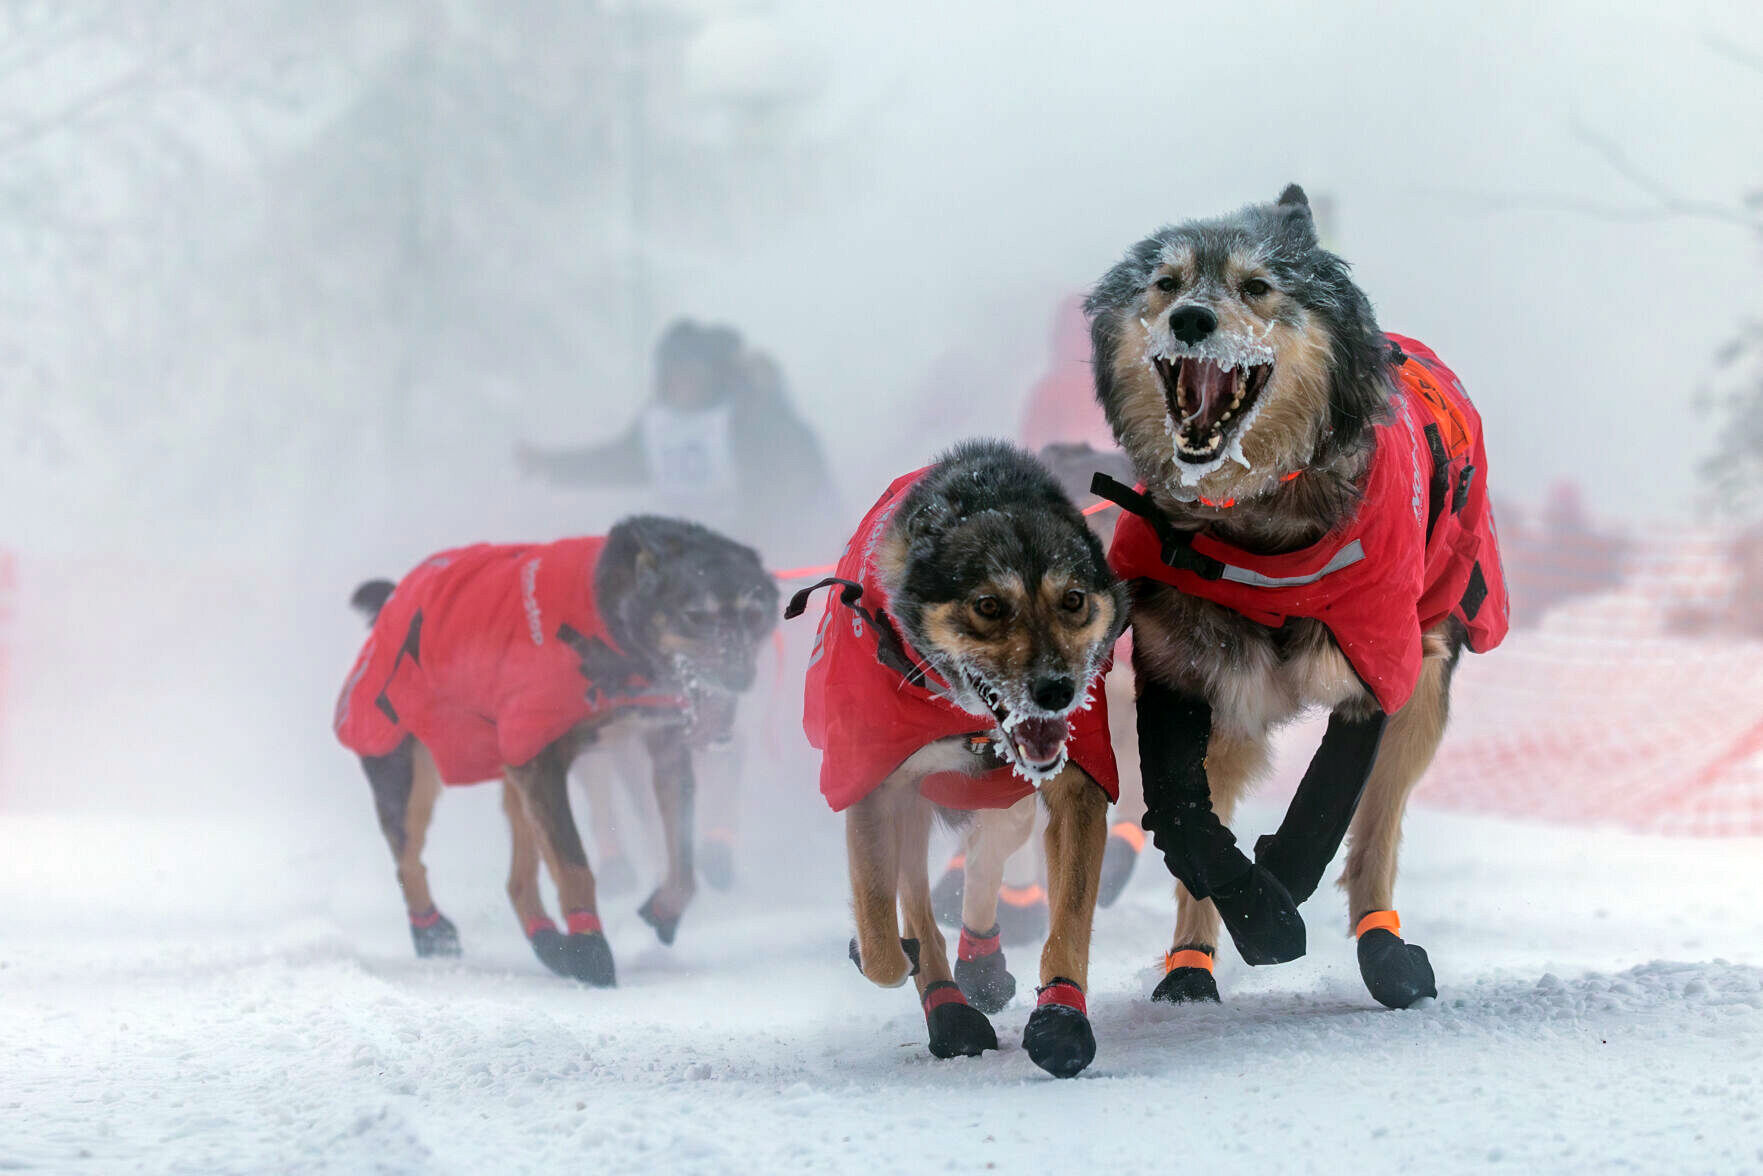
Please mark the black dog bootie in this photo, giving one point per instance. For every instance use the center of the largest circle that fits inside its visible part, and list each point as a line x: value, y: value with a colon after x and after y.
x: 1058, y: 1037
x: 434, y: 934
x: 1398, y: 974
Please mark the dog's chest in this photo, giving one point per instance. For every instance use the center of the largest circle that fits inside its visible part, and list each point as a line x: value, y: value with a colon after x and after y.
x: 1255, y: 677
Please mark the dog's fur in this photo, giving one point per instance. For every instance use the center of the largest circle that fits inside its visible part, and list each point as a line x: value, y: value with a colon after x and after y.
x: 1278, y: 298
x: 987, y: 522
x: 691, y: 608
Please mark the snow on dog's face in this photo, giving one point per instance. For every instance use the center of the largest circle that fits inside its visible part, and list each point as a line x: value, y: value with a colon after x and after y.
x: 1000, y: 586
x: 1231, y: 352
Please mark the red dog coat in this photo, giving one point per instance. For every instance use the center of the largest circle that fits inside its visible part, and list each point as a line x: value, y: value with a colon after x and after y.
x: 488, y: 654
x: 871, y: 702
x: 1421, y: 547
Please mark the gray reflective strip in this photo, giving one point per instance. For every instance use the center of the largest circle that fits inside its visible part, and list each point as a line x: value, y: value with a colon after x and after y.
x: 1346, y: 557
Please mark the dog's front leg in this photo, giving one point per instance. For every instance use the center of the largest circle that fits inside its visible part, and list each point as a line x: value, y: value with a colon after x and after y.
x: 1316, y: 821
x: 872, y: 847
x: 957, y: 1029
x: 543, y: 787
x: 1175, y: 731
x: 1058, y: 1036
x: 675, y: 793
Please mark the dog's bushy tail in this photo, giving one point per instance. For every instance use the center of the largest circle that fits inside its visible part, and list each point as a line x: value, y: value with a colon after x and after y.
x: 370, y: 597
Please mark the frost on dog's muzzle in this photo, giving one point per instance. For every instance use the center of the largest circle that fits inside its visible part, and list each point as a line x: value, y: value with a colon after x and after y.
x: 1034, y: 744
x: 1212, y: 395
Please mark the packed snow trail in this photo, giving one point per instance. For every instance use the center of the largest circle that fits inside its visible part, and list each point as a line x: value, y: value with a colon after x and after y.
x: 239, y: 994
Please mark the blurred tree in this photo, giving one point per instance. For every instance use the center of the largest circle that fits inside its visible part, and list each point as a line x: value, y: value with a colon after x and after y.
x: 254, y: 257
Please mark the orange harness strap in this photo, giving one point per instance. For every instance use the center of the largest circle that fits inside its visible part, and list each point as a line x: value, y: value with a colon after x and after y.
x: 1189, y: 957
x: 1376, y: 920
x: 1230, y: 502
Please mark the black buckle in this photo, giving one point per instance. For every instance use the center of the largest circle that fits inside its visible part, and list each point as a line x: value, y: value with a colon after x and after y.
x: 1178, y: 550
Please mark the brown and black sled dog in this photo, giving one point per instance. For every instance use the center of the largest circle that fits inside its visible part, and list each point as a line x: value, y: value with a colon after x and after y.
x: 957, y: 673
x: 509, y: 660
x: 1313, y: 531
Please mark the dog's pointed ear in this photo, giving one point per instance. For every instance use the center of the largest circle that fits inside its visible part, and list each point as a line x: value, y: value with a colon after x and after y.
x: 655, y: 543
x: 1294, y: 211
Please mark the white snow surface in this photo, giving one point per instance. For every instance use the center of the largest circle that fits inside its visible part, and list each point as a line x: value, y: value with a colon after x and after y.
x: 238, y: 994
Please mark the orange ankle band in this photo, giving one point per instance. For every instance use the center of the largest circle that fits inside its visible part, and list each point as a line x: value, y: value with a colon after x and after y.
x: 1129, y: 833
x: 1187, y: 957
x: 1385, y: 920
x: 1019, y: 896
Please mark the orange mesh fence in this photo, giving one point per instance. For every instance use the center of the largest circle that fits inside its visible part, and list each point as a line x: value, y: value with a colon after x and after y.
x: 1629, y: 692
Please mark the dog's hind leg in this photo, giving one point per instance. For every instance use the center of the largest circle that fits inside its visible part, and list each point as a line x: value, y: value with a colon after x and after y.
x: 957, y: 1029
x: 979, y: 960
x: 1397, y: 973
x: 675, y: 794
x: 1058, y: 1036
x: 1233, y: 762
x: 405, y: 786
x: 543, y: 787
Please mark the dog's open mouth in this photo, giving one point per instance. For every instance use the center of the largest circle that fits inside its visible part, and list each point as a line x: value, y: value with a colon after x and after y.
x: 1206, y: 400
x: 1035, y: 744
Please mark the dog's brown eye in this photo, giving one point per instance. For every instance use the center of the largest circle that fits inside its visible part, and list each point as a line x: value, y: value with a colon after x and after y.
x: 989, y: 607
x: 1168, y: 284
x: 1256, y: 288
x: 1074, y: 600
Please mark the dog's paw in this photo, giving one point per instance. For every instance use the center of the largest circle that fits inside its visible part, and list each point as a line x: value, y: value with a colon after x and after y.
x: 1187, y: 986
x: 434, y: 935
x: 909, y: 946
x: 957, y: 1029
x: 1058, y: 1037
x: 1398, y: 974
x: 716, y: 864
x: 588, y: 958
x: 665, y: 922
x: 1261, y: 917
x: 984, y: 980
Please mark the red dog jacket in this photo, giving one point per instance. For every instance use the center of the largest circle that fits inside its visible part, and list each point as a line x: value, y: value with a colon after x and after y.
x: 488, y: 654
x: 871, y: 702
x: 1421, y: 547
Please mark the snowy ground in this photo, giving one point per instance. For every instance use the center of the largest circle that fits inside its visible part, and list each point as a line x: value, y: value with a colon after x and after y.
x: 238, y: 994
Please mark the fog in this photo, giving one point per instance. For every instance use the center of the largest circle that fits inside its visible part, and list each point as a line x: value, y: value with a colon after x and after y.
x: 294, y: 293
x: 283, y: 290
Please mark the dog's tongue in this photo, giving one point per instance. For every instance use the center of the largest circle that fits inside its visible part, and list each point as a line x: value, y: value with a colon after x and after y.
x: 1040, y: 740
x: 1206, y: 391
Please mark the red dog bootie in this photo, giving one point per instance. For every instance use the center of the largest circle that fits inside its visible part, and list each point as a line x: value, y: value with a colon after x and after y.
x: 1187, y: 977
x: 434, y: 934
x: 980, y: 970
x: 1058, y: 1037
x: 957, y: 1029
x: 1397, y: 974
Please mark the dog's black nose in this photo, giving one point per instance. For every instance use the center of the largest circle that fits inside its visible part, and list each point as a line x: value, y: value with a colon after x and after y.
x: 1054, y: 694
x: 1190, y: 324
